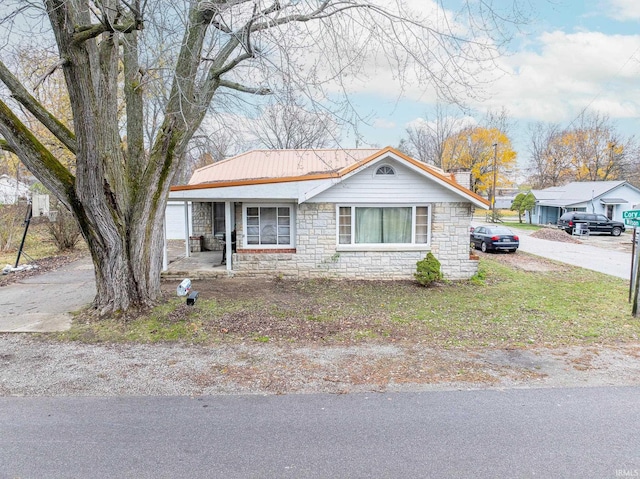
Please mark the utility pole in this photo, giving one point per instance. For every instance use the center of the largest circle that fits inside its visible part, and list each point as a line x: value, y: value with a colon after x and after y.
x: 494, y: 217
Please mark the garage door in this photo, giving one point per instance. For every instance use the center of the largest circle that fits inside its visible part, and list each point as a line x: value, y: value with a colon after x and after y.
x: 174, y: 216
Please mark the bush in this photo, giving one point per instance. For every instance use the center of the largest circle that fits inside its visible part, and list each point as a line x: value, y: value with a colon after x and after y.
x: 428, y: 270
x: 63, y: 230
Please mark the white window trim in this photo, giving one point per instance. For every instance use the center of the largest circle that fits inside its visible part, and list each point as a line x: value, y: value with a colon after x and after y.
x: 413, y: 246
x: 292, y: 226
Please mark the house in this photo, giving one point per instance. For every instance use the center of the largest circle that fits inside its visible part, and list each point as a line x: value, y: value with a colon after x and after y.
x: 505, y: 197
x: 609, y: 198
x: 11, y: 190
x: 341, y: 213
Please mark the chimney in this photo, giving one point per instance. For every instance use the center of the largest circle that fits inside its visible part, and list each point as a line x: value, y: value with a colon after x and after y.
x: 462, y: 176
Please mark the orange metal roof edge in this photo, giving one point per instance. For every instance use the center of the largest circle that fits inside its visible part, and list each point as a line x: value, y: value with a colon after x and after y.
x: 341, y: 173
x: 449, y: 181
x: 255, y: 181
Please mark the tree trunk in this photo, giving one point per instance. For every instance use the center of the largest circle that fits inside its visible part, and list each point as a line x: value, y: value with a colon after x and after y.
x: 127, y: 267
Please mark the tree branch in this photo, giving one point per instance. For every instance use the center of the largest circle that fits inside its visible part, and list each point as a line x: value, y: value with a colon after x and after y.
x: 5, y: 146
x: 91, y: 31
x: 36, y: 157
x: 231, y: 65
x: 50, y: 71
x: 20, y: 93
x: 244, y: 89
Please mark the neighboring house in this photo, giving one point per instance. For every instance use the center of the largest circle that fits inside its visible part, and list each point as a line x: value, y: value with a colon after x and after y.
x: 358, y: 213
x: 11, y: 190
x: 505, y: 197
x: 609, y: 198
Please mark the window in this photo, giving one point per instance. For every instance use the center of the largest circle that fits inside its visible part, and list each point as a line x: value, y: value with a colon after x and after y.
x: 268, y: 226
x: 369, y: 225
x: 385, y: 170
x: 218, y: 218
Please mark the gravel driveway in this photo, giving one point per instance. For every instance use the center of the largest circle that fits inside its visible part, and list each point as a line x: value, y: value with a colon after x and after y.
x: 34, y: 367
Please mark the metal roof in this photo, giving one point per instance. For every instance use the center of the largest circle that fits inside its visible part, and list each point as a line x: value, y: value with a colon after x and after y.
x: 280, y: 167
x: 574, y: 193
x: 257, y: 164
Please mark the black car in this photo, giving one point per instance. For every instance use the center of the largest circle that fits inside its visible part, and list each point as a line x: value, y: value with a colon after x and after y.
x: 595, y: 223
x: 494, y: 238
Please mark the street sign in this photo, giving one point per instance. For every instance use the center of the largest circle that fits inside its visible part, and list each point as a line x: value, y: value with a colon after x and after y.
x: 632, y: 222
x: 631, y: 214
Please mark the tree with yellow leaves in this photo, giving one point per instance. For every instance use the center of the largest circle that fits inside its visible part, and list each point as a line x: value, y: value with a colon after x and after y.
x: 486, y: 152
x: 591, y: 150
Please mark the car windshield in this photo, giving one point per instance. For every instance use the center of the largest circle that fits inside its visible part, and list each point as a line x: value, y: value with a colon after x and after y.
x: 500, y: 231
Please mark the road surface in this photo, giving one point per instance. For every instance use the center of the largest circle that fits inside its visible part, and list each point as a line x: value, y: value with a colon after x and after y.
x: 543, y: 433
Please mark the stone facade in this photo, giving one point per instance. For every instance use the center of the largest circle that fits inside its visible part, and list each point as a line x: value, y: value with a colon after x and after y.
x: 316, y: 254
x: 202, y: 224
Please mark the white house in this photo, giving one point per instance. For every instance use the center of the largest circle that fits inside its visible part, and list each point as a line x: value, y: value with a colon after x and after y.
x: 11, y: 190
x: 358, y: 213
x: 609, y: 198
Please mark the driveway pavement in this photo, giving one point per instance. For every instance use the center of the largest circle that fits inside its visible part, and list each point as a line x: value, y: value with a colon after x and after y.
x: 43, y: 303
x: 608, y: 261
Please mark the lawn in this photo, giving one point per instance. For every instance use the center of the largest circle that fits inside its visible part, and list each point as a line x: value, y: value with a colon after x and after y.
x: 503, y: 306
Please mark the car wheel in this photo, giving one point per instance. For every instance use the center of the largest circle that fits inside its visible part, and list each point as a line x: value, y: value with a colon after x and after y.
x: 483, y: 247
x: 616, y: 231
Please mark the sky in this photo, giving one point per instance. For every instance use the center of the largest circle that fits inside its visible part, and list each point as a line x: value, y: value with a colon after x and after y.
x: 571, y: 55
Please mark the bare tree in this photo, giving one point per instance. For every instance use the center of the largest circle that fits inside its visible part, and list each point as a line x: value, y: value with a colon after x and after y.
x: 589, y: 150
x: 599, y: 152
x: 118, y: 190
x: 550, y: 160
x: 289, y: 125
x: 426, y: 139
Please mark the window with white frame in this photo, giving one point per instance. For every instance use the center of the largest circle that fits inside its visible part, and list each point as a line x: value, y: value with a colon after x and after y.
x: 371, y: 225
x: 268, y: 226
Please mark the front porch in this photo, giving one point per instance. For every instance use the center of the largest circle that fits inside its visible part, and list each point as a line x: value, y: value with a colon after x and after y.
x: 198, y: 265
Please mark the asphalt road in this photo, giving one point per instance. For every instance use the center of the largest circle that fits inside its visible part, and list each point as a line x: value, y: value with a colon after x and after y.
x: 546, y: 433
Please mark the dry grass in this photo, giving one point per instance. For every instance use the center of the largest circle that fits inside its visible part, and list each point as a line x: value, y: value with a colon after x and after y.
x: 506, y: 306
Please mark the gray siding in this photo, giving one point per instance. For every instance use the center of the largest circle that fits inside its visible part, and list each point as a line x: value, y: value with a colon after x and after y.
x: 405, y: 186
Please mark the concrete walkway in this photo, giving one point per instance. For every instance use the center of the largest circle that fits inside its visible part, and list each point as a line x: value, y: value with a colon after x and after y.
x: 43, y: 303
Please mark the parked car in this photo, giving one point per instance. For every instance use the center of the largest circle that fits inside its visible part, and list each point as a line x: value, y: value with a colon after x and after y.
x: 494, y: 238
x: 595, y: 223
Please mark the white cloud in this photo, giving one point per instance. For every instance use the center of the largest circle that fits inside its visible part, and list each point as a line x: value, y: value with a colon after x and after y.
x: 569, y: 73
x: 623, y: 10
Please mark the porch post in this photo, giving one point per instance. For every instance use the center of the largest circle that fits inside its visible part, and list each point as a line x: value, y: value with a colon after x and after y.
x: 186, y: 229
x: 227, y: 232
